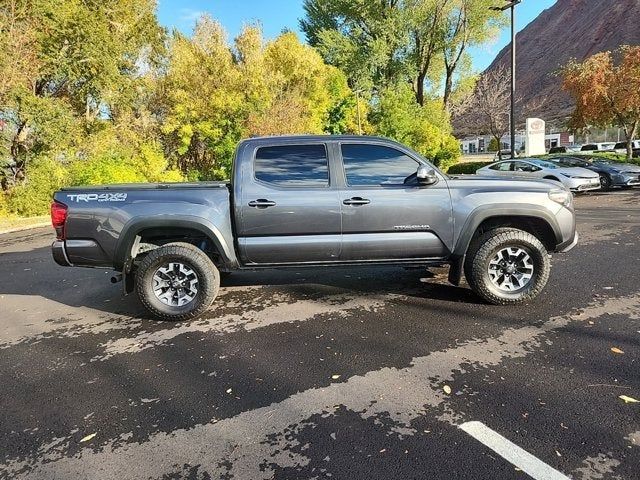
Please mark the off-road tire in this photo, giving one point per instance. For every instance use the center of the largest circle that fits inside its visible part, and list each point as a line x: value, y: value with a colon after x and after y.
x: 185, y: 253
x: 483, y: 249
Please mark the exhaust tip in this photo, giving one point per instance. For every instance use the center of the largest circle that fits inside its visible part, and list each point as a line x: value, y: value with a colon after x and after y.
x: 116, y: 278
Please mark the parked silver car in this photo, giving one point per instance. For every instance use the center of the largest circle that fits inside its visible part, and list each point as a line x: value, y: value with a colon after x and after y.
x: 575, y: 179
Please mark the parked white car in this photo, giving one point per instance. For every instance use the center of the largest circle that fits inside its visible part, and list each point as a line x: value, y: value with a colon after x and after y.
x: 621, y: 147
x: 576, y: 179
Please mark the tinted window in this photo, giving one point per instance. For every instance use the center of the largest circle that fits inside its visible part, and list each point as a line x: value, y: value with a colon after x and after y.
x: 376, y: 165
x: 587, y: 148
x: 543, y: 164
x: 525, y: 167
x: 571, y: 162
x: 502, y: 167
x: 293, y: 165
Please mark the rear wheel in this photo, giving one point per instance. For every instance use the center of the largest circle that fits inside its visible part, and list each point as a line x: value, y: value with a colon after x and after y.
x: 177, y: 282
x: 507, y: 266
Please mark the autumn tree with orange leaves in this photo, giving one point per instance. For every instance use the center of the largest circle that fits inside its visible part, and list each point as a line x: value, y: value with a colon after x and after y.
x: 606, y: 89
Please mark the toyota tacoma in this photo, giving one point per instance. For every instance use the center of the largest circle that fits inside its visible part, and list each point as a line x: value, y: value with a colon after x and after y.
x: 315, y: 201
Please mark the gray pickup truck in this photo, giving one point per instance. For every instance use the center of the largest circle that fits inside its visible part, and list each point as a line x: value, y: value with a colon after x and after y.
x: 315, y: 201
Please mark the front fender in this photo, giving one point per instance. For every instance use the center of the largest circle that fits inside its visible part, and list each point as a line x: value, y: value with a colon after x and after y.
x: 486, y: 212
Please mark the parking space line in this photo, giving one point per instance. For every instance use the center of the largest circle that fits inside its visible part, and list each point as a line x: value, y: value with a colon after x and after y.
x: 512, y: 453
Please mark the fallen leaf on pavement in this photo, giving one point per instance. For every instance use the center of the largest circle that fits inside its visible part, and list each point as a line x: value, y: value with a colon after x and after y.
x: 88, y: 437
x: 447, y: 389
x: 628, y: 399
x: 616, y: 350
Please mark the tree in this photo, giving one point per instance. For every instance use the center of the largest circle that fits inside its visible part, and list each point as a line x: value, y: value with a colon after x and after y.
x: 396, y: 115
x: 468, y: 23
x: 219, y: 92
x: 65, y: 64
x: 607, y: 91
x: 488, y: 108
x: 381, y: 44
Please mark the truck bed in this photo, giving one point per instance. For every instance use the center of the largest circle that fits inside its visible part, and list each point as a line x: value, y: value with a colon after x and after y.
x: 147, y: 186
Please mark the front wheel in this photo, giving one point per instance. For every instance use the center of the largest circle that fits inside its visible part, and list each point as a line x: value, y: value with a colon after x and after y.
x: 507, y: 266
x: 177, y: 281
x: 605, y: 182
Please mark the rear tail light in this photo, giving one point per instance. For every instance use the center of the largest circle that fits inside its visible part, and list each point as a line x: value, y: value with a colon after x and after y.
x: 58, y: 218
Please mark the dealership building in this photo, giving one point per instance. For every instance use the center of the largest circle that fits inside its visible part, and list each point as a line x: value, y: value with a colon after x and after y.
x: 480, y: 144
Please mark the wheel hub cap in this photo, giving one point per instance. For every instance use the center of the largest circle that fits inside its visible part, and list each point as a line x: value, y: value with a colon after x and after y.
x: 511, y: 269
x: 175, y: 284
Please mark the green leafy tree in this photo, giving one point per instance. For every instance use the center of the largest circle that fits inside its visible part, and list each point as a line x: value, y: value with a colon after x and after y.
x: 67, y: 61
x: 219, y: 92
x: 381, y: 44
x: 398, y: 116
x: 203, y: 101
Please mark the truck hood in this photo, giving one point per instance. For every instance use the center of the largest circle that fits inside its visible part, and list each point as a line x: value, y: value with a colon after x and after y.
x: 504, y: 184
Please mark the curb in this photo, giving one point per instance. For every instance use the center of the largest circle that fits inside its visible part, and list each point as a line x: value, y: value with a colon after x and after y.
x: 24, y: 227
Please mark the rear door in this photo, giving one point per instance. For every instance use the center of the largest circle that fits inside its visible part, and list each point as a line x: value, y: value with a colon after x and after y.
x: 288, y: 209
x: 384, y: 218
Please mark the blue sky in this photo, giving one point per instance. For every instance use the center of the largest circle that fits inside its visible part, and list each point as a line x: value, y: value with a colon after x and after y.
x: 276, y: 15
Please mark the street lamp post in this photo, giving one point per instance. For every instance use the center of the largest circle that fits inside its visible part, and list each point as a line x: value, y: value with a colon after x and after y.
x: 512, y: 5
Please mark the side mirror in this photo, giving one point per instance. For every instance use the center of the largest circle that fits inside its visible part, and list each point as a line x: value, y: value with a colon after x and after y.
x: 426, y: 175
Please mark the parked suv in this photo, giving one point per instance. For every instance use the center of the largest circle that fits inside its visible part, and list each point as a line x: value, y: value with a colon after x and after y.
x: 564, y: 149
x: 315, y: 201
x: 621, y: 147
x: 598, y: 147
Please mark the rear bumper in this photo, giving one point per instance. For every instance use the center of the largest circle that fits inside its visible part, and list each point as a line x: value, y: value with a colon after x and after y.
x: 59, y: 254
x: 79, y: 253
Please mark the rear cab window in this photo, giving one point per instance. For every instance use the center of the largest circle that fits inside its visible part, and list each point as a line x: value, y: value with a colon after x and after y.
x: 292, y: 165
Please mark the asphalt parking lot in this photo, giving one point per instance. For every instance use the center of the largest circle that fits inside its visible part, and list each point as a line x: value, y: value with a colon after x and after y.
x: 376, y: 373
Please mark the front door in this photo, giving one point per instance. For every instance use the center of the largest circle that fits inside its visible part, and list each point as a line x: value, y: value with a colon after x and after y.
x: 289, y: 210
x: 386, y: 214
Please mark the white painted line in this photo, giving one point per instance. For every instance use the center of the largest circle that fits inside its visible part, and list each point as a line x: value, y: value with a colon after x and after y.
x: 512, y: 453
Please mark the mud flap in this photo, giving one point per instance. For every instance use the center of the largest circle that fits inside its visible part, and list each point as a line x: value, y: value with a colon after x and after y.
x: 455, y: 271
x: 128, y: 283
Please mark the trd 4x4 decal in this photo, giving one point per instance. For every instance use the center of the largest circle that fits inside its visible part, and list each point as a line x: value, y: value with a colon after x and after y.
x: 97, y: 197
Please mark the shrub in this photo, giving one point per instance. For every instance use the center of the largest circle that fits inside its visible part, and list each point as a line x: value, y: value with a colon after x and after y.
x: 426, y: 128
x: 108, y: 168
x: 467, y: 168
x: 33, y: 197
x: 152, y: 165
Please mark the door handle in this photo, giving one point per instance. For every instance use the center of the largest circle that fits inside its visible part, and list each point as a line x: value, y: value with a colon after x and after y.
x: 356, y: 201
x: 262, y: 203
